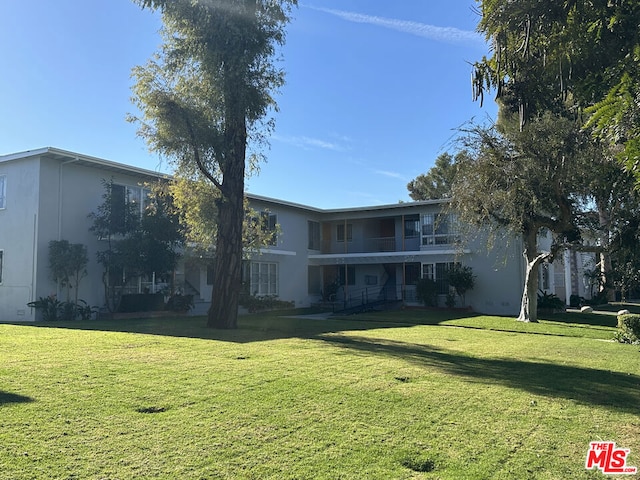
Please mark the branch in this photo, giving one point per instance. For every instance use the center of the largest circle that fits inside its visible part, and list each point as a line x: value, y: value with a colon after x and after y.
x: 559, y: 247
x: 196, y: 156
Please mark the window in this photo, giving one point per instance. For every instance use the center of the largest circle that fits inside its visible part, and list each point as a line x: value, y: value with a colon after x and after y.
x: 428, y: 271
x: 439, y: 272
x: 314, y: 235
x: 412, y: 226
x: 344, y: 231
x: 3, y: 192
x: 126, y: 202
x: 269, y: 226
x: 138, y: 198
x: 264, y: 278
x: 438, y: 229
x: 1, y: 260
x: 349, y: 272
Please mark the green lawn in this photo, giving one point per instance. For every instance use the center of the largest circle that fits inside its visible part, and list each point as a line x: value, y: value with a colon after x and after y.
x: 410, y: 394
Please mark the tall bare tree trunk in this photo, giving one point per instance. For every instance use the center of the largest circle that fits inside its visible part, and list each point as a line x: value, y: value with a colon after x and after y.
x: 529, y: 304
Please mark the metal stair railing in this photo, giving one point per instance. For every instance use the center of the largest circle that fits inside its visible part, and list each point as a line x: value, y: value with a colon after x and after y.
x: 364, y: 299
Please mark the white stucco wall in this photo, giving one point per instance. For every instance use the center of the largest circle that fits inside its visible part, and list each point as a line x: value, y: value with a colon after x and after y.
x: 500, y: 277
x: 290, y: 252
x: 18, y: 229
x: 49, y: 198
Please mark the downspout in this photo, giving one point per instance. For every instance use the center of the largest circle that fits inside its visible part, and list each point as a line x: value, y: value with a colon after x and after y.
x: 34, y: 267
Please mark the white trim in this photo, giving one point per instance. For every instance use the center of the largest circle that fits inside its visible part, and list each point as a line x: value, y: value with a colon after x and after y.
x: 66, y: 156
x: 277, y: 252
x: 254, y: 286
x: 407, y: 255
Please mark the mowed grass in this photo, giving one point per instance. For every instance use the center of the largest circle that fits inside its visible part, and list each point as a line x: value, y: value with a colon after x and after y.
x: 393, y: 395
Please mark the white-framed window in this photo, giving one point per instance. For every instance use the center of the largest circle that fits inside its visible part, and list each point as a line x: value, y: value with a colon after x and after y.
x: 1, y: 264
x: 439, y: 229
x: 428, y: 271
x: 3, y: 192
x: 264, y: 278
x: 344, y: 232
x: 439, y: 272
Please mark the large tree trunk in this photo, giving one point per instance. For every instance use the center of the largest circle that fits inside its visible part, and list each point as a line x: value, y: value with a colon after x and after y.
x: 529, y: 304
x: 227, y: 269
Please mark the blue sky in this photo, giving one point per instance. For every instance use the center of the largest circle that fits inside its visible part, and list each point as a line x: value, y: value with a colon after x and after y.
x: 375, y: 90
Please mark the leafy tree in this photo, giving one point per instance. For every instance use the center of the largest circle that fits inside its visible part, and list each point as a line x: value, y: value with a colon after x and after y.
x: 68, y: 265
x: 438, y: 181
x: 203, y: 97
x: 523, y: 182
x: 607, y: 203
x: 527, y: 70
x: 462, y: 279
x: 625, y: 252
x: 114, y: 219
x: 578, y: 57
x: 616, y: 120
x: 137, y: 244
x: 547, y: 54
x: 153, y: 247
x: 196, y: 200
x: 427, y: 292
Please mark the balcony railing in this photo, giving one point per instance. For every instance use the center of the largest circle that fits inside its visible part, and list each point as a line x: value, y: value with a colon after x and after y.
x: 367, y: 245
x: 382, y: 244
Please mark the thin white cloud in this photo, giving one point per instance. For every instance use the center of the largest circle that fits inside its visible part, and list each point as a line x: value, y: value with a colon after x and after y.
x: 386, y: 173
x: 308, y: 143
x: 432, y: 32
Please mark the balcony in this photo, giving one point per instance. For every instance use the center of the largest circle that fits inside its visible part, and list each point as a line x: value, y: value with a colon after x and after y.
x: 371, y: 245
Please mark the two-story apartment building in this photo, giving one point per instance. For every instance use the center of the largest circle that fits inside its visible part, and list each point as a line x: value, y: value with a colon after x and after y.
x: 339, y: 254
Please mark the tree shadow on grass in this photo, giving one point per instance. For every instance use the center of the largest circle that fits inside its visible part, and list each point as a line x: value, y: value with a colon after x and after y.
x: 8, y: 397
x: 590, y: 319
x: 612, y: 390
x: 251, y: 328
x: 279, y: 325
